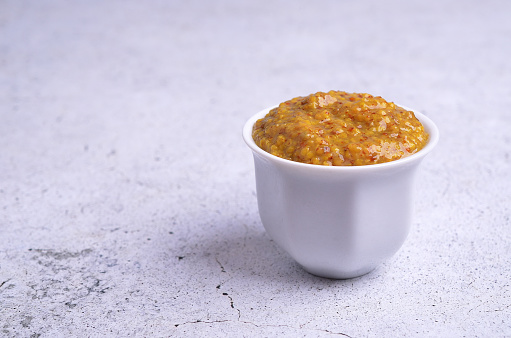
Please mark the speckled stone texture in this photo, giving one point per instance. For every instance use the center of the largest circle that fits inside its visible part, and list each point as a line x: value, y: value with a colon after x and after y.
x: 127, y: 196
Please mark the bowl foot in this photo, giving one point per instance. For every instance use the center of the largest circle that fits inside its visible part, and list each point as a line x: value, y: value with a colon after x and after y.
x: 338, y: 273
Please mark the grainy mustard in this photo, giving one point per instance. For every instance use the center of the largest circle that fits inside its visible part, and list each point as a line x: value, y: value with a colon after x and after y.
x: 340, y: 129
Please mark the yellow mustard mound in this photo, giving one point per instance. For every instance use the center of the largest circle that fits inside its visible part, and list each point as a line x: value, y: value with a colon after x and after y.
x: 340, y: 129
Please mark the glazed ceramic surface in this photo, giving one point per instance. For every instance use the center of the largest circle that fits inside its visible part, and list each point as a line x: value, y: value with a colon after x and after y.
x: 336, y: 222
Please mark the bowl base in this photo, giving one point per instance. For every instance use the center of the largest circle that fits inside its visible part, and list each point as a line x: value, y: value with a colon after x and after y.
x: 338, y: 274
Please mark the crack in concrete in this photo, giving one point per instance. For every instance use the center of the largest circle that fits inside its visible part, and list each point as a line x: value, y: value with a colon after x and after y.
x: 232, y: 304
x: 4, y: 282
x: 474, y: 308
x: 260, y: 325
x: 225, y: 293
x: 221, y: 266
x: 203, y: 321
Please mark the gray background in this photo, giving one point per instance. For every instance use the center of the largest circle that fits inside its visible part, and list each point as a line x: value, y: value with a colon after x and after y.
x: 127, y: 196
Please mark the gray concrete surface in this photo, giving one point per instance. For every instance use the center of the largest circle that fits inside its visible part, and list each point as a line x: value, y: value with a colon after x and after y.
x: 127, y: 196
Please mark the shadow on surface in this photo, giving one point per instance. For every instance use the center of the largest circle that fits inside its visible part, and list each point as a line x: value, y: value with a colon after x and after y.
x: 244, y: 252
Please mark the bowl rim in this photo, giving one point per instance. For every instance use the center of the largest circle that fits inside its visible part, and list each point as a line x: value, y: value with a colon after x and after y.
x: 428, y: 124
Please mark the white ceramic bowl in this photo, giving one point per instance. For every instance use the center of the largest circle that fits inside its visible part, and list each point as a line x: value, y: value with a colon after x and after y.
x: 336, y: 221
